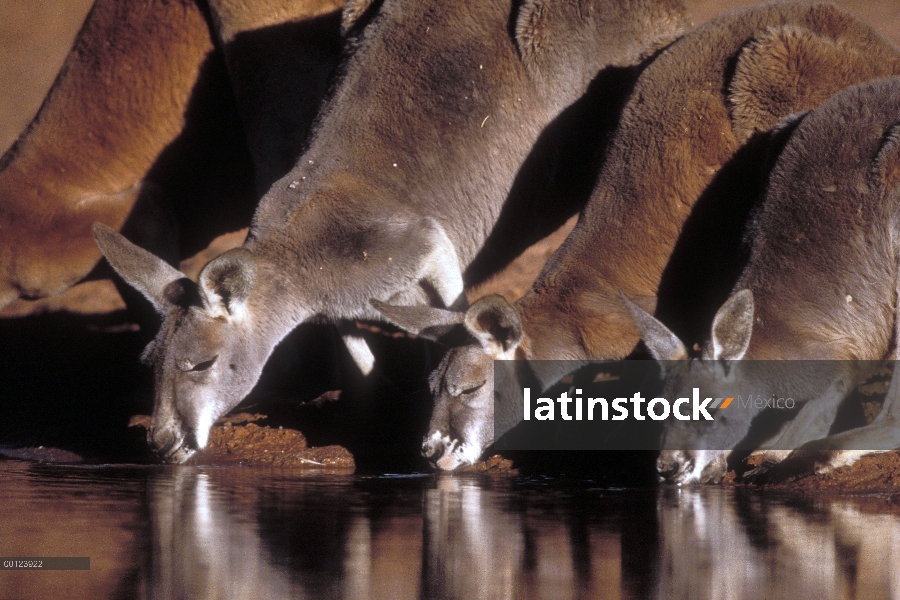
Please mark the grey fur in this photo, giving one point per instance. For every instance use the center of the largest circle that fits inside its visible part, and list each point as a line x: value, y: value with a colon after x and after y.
x: 139, y: 268
x: 662, y: 343
x: 433, y: 113
x: 824, y: 271
x: 688, y: 116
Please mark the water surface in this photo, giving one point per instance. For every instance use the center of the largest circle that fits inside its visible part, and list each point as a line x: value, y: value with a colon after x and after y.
x: 199, y: 532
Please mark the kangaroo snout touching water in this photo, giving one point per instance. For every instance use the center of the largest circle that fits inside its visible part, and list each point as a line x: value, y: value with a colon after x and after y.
x: 715, y: 92
x: 821, y: 284
x: 433, y: 113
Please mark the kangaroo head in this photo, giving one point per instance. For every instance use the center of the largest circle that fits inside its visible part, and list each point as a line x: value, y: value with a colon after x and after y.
x: 462, y: 421
x: 205, y: 357
x: 696, y: 451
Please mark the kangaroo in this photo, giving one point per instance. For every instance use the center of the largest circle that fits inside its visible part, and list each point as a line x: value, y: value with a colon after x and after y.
x: 821, y: 284
x: 141, y: 130
x: 714, y: 92
x: 280, y: 57
x: 410, y: 163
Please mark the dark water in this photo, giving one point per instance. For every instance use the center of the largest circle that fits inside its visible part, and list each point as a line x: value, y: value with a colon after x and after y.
x: 195, y: 532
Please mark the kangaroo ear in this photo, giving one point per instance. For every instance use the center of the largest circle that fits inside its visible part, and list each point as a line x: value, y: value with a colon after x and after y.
x: 145, y: 272
x: 587, y: 36
x: 424, y: 321
x: 530, y: 28
x: 495, y: 324
x: 662, y: 343
x: 887, y: 164
x: 779, y: 72
x: 353, y: 11
x: 226, y: 282
x: 732, y: 327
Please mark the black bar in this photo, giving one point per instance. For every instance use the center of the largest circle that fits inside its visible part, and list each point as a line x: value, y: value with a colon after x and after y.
x: 45, y: 563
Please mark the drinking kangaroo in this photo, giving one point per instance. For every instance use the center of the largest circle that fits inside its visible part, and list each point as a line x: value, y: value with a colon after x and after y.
x: 412, y: 158
x: 143, y: 129
x: 704, y: 98
x: 821, y: 283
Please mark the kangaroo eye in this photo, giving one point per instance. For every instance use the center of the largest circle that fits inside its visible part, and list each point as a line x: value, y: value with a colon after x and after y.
x: 199, y: 367
x: 474, y: 388
x: 205, y: 365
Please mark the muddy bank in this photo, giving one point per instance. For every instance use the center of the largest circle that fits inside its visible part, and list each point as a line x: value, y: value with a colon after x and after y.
x: 875, y: 473
x: 238, y: 440
x: 244, y: 439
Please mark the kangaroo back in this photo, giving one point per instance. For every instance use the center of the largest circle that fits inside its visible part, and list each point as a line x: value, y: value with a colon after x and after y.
x: 791, y: 68
x: 823, y: 263
x: 687, y: 164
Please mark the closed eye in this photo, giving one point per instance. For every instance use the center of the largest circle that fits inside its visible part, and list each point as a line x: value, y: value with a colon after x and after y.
x: 205, y: 365
x: 473, y: 389
x: 199, y: 367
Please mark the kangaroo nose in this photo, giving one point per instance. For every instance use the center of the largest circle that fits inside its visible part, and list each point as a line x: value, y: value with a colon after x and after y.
x: 161, y: 442
x: 431, y: 448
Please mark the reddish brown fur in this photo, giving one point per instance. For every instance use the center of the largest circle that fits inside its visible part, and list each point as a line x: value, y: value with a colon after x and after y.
x: 820, y: 285
x: 654, y: 175
x: 114, y: 107
x: 141, y: 118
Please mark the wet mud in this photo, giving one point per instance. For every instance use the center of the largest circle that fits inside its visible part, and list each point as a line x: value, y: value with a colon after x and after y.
x: 876, y: 473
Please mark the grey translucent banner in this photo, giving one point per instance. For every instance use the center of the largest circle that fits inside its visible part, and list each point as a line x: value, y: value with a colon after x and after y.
x: 695, y: 405
x: 45, y: 563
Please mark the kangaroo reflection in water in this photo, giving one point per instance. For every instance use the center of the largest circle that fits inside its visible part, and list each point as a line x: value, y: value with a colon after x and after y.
x: 472, y: 549
x: 201, y: 549
x: 485, y: 541
x: 215, y: 535
x: 231, y: 533
x: 734, y: 544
